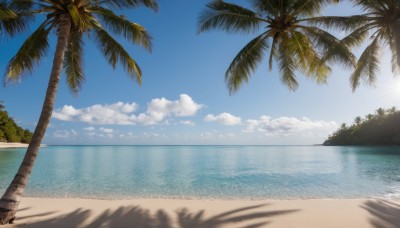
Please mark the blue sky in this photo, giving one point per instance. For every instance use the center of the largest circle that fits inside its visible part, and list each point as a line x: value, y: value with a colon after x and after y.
x: 183, y: 98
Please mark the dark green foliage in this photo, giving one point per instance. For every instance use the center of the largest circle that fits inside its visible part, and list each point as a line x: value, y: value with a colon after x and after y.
x: 10, y: 131
x: 381, y: 128
x: 288, y: 38
x: 93, y: 19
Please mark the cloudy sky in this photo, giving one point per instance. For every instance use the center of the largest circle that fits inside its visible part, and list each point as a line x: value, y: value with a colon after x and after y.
x: 183, y: 99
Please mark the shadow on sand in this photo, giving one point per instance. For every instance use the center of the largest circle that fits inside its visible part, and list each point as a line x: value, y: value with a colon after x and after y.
x: 385, y: 214
x: 135, y: 217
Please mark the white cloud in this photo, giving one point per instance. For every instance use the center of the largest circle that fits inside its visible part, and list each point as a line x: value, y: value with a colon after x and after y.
x: 123, y: 113
x: 160, y: 108
x: 224, y: 118
x: 117, y: 113
x: 106, y: 130
x: 66, y: 113
x: 287, y: 125
x: 89, y: 128
x: 99, y: 132
x: 65, y: 134
x: 187, y: 122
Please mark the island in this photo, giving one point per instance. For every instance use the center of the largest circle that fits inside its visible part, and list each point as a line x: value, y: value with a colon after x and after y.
x: 380, y: 128
x: 10, y: 132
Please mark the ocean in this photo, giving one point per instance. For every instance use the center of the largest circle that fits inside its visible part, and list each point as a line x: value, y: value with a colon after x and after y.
x: 211, y: 172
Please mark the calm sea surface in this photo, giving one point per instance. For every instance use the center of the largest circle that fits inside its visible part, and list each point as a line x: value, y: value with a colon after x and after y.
x: 257, y: 172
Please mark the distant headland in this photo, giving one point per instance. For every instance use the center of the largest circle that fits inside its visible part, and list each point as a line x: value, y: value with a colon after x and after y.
x: 380, y: 128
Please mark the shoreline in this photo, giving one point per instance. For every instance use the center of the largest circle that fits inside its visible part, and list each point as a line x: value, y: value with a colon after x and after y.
x: 213, y: 213
x: 4, y: 145
x: 12, y: 145
x: 207, y: 198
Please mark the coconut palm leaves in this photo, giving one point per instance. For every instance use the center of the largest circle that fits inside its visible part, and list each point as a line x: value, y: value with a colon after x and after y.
x: 71, y: 21
x: 11, y: 20
x: 287, y: 38
x: 90, y: 18
x: 380, y: 23
x: 5, y: 12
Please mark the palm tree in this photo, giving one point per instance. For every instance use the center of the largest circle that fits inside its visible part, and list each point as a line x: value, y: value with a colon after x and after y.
x: 380, y: 24
x: 369, y: 116
x: 1, y: 106
x: 380, y: 112
x: 5, y: 12
x: 286, y: 37
x: 392, y: 110
x: 357, y: 120
x: 71, y: 20
x: 11, y: 22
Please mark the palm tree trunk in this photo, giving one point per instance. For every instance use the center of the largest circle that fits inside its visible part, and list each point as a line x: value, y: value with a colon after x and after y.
x: 11, y: 198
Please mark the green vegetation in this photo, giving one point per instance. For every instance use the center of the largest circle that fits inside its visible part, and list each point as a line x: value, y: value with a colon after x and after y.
x: 379, y: 27
x: 288, y: 37
x: 10, y: 131
x: 71, y: 21
x: 10, y: 21
x: 381, y: 128
x: 295, y: 36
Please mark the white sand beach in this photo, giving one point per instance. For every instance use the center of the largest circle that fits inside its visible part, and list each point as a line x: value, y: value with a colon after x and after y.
x: 168, y: 213
x: 12, y: 145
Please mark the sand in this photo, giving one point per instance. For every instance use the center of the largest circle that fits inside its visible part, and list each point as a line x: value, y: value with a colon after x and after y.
x: 12, y: 145
x: 168, y: 213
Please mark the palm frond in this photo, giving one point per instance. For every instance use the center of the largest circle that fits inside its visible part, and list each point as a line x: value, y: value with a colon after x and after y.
x: 333, y: 1
x: 270, y: 8
x: 24, y: 5
x: 301, y: 49
x: 394, y: 43
x: 287, y: 65
x: 320, y: 70
x: 13, y: 17
x: 86, y: 22
x: 121, y: 4
x: 29, y: 55
x: 307, y: 7
x: 114, y: 53
x: 371, y: 5
x: 395, y: 58
x: 246, y: 62
x: 367, y: 65
x: 73, y: 62
x: 5, y: 12
x: 338, y: 23
x: 123, y: 27
x: 357, y: 37
x: 303, y: 52
x: 228, y: 17
x: 333, y: 50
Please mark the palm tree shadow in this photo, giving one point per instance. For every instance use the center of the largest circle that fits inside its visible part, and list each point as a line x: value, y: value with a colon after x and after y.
x: 73, y: 219
x: 133, y: 217
x: 191, y: 220
x: 138, y: 217
x: 386, y: 214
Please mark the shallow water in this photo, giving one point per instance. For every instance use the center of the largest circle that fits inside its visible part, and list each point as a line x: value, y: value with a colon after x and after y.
x: 256, y: 172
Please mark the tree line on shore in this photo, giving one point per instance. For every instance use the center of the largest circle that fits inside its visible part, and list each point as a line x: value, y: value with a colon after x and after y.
x: 380, y: 128
x: 10, y: 131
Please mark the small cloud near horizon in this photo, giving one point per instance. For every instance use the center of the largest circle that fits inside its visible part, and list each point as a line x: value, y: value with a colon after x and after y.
x: 287, y: 125
x: 224, y: 118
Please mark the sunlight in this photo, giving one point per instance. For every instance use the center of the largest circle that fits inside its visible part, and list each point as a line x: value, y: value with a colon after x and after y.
x: 394, y: 88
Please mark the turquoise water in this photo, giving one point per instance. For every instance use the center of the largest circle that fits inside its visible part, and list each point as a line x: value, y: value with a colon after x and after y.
x: 257, y: 172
